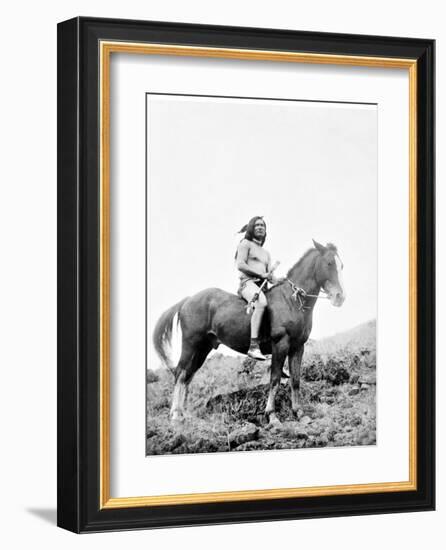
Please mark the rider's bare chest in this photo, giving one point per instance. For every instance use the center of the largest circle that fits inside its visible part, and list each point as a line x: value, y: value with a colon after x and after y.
x: 257, y: 254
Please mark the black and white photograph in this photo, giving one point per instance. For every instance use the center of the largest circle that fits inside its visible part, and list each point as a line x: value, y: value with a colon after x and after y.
x: 245, y: 261
x: 261, y: 274
x: 221, y: 293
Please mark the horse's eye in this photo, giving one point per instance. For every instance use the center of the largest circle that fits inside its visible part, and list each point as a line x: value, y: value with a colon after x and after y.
x: 329, y: 264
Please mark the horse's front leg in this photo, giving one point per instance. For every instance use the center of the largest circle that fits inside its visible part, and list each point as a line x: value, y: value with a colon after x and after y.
x: 280, y: 351
x: 294, y: 363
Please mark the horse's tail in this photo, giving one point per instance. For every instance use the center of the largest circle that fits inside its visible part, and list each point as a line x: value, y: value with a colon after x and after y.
x: 162, y: 335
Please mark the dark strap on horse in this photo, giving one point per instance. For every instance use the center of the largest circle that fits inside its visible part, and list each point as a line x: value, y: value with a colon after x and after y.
x: 299, y: 295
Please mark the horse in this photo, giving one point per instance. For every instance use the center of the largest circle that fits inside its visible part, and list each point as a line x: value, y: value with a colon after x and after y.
x: 214, y: 316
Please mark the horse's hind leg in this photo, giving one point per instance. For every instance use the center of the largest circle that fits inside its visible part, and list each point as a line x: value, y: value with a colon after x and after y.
x: 199, y: 358
x: 179, y: 390
x: 191, y: 360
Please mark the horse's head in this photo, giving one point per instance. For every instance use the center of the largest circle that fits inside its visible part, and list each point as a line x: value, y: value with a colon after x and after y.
x: 329, y: 273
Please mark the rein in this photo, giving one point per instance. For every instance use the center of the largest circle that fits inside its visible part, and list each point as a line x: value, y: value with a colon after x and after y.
x: 299, y: 295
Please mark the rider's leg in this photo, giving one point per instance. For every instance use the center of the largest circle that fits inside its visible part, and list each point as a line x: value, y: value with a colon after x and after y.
x: 256, y: 319
x: 248, y: 292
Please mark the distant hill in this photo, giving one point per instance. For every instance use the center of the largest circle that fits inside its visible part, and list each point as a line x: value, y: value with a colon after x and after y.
x: 361, y: 336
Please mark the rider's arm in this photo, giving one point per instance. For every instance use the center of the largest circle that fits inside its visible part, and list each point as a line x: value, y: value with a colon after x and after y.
x: 242, y: 257
x: 268, y: 269
x: 272, y: 278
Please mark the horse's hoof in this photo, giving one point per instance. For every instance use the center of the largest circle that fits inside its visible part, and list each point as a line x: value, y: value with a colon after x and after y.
x: 176, y: 418
x: 274, y: 420
x: 298, y: 413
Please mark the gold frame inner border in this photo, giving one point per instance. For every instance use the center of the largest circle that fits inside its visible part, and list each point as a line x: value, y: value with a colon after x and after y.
x: 106, y: 48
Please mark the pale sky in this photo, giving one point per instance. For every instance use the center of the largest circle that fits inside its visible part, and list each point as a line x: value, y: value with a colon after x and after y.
x: 309, y: 168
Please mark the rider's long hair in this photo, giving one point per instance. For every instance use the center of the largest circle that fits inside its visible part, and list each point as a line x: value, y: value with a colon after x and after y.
x: 249, y: 230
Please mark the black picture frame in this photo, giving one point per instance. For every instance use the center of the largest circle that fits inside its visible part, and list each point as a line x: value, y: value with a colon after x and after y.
x: 79, y: 461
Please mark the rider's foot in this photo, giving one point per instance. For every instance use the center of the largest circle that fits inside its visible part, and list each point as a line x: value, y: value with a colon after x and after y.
x: 254, y: 350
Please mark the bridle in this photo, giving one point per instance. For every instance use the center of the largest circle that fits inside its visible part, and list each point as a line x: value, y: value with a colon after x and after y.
x: 299, y: 295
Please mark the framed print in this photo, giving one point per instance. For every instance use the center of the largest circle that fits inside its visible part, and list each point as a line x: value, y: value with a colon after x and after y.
x: 246, y: 274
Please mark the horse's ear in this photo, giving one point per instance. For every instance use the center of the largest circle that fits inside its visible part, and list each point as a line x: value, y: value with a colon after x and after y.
x: 319, y: 247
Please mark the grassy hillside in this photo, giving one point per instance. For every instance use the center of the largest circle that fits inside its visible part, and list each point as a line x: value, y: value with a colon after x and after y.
x: 228, y: 397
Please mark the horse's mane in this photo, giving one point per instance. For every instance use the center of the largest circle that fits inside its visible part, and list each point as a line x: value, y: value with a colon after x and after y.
x: 329, y: 246
x: 301, y: 261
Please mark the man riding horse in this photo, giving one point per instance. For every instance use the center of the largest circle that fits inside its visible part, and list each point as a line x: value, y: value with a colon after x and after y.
x: 213, y: 317
x: 254, y: 265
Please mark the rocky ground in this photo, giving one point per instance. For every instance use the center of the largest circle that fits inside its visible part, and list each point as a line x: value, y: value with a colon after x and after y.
x: 228, y: 397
